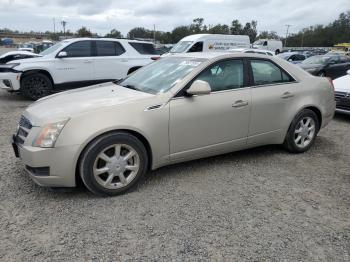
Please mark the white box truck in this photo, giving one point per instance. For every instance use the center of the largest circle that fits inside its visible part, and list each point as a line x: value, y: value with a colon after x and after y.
x: 210, y: 43
x: 269, y: 44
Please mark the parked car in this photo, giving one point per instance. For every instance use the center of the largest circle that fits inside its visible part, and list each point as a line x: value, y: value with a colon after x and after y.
x: 75, y: 63
x: 29, y: 47
x: 16, y: 55
x: 332, y: 66
x: 209, y: 43
x: 176, y: 109
x: 269, y: 44
x: 342, y: 93
x: 293, y: 57
x: 252, y: 51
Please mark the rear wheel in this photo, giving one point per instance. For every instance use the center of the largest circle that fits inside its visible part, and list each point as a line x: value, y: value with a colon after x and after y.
x: 113, y: 164
x: 302, y: 132
x: 35, y: 86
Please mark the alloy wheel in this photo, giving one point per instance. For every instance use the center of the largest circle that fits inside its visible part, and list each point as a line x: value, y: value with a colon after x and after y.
x: 304, y: 132
x: 116, y: 166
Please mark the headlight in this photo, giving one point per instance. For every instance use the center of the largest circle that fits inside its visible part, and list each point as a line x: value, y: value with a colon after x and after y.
x: 12, y: 65
x: 49, y: 134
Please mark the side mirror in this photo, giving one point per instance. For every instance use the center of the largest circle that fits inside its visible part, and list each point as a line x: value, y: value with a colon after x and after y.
x: 62, y: 54
x: 348, y: 72
x: 199, y: 87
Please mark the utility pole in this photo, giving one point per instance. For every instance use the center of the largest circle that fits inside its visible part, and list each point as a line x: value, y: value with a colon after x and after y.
x: 64, y: 23
x: 285, y: 40
x: 54, y: 25
x: 154, y: 33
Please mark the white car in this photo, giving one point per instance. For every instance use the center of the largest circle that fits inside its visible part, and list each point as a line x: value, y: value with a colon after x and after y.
x: 75, y: 63
x: 209, y: 43
x: 342, y: 93
x: 269, y: 44
x: 252, y: 51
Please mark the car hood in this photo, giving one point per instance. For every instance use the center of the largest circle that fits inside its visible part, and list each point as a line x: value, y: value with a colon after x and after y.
x: 309, y: 66
x: 342, y: 84
x: 29, y: 60
x: 79, y: 101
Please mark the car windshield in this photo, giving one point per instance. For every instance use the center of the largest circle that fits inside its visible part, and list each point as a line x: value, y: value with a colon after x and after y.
x: 161, y: 75
x: 181, y: 47
x: 316, y: 60
x: 258, y: 42
x: 51, y: 49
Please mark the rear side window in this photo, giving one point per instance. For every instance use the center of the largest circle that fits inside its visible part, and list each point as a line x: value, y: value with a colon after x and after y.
x: 266, y: 73
x: 79, y: 49
x: 109, y: 48
x: 144, y: 48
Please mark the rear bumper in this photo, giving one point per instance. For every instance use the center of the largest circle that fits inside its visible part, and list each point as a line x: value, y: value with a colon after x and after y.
x: 10, y: 81
x: 52, y: 167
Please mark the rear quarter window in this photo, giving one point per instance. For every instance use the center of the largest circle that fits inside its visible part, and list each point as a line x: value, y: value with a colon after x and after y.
x: 144, y: 48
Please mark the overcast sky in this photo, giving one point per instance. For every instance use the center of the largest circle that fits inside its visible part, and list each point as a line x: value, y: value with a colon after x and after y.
x: 103, y: 15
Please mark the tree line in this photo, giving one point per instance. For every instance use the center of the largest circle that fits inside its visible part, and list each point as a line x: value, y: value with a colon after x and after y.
x: 335, y: 32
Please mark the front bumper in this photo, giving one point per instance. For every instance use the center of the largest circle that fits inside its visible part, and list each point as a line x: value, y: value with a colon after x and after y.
x: 52, y: 167
x: 10, y: 81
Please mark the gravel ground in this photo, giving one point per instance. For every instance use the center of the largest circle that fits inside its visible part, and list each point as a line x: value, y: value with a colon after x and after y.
x: 257, y: 205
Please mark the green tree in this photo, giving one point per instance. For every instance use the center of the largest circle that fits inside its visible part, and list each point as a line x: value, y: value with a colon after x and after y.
x: 236, y: 27
x: 114, y: 34
x: 268, y: 35
x: 83, y: 32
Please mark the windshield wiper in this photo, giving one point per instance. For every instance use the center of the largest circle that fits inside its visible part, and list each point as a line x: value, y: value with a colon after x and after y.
x: 131, y: 87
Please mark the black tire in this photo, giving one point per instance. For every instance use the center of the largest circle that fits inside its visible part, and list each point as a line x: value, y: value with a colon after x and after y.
x: 90, y: 156
x: 36, y: 85
x: 277, y: 52
x: 290, y: 140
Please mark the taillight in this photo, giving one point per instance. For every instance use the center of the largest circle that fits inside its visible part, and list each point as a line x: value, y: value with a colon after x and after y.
x: 330, y: 81
x: 155, y: 57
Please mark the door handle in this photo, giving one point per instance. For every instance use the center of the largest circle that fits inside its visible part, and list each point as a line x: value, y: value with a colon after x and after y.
x: 239, y: 103
x: 87, y: 61
x: 287, y: 95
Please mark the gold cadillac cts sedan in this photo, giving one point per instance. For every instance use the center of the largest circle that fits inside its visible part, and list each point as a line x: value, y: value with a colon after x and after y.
x: 176, y: 109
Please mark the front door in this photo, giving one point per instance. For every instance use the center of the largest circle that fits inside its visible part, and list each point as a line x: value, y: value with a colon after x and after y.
x: 77, y: 66
x: 218, y: 122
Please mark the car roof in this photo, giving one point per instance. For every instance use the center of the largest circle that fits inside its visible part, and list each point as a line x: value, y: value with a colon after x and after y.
x: 212, y: 55
x: 71, y: 40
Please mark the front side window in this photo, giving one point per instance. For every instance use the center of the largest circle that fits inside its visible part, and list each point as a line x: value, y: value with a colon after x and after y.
x: 224, y: 75
x: 109, y: 48
x: 79, y: 49
x: 266, y: 73
x: 197, y: 47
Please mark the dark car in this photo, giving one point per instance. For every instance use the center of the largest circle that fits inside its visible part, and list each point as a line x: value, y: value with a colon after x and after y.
x: 293, y: 57
x: 332, y: 66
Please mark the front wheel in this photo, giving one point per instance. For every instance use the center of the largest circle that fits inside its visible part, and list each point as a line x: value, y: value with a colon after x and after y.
x: 35, y: 86
x: 113, y: 164
x: 302, y: 132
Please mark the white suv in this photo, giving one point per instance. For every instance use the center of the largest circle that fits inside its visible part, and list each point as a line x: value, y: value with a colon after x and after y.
x: 75, y: 63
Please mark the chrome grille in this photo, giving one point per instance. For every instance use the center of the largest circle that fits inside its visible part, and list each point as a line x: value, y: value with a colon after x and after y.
x: 24, y: 127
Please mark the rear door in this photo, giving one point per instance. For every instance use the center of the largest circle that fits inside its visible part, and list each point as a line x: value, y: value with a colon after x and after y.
x: 77, y: 66
x: 274, y: 92
x: 110, y: 62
